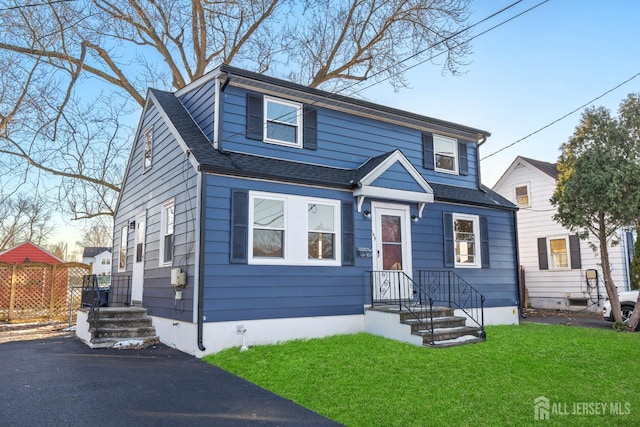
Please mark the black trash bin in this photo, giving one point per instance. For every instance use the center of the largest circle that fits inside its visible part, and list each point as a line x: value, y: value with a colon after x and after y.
x: 92, y: 294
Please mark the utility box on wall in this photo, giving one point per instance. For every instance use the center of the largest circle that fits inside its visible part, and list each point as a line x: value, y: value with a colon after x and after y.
x: 178, y: 278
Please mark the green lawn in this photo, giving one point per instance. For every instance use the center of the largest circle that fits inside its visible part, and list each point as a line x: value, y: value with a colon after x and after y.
x: 362, y: 380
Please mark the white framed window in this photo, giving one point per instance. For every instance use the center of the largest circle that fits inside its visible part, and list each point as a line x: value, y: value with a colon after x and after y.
x: 148, y: 149
x: 445, y: 152
x: 106, y: 261
x: 122, y: 256
x: 522, y: 195
x: 558, y: 250
x: 167, y: 220
x: 293, y: 230
x: 282, y: 122
x: 466, y: 236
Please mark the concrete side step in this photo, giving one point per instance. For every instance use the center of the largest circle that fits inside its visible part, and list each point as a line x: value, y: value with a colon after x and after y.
x: 119, y: 312
x: 124, y: 322
x: 406, y: 314
x: 123, y: 333
x: 128, y: 343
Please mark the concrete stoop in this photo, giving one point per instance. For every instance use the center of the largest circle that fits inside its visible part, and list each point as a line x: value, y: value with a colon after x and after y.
x: 448, y: 330
x: 116, y: 327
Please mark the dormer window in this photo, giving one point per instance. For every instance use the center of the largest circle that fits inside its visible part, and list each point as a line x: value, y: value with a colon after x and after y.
x: 282, y: 122
x: 445, y: 152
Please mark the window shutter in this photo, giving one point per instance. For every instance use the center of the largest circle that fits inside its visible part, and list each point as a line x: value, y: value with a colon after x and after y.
x: 574, y: 249
x: 449, y: 250
x: 255, y: 116
x: 239, y: 226
x: 310, y: 128
x: 484, y: 242
x: 427, y: 151
x: 543, y: 260
x: 347, y: 234
x: 463, y: 163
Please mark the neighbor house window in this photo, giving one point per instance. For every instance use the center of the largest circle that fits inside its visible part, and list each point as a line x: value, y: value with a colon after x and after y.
x: 558, y: 252
x: 293, y: 230
x: 445, y: 151
x: 148, y: 147
x: 166, y: 235
x: 522, y: 195
x: 122, y: 264
x: 106, y: 261
x: 282, y: 122
x: 466, y: 239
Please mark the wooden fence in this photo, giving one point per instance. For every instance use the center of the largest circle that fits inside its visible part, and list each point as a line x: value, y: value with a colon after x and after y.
x: 37, y: 291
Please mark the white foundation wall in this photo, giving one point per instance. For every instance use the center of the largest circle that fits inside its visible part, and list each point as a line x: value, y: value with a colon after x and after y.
x: 388, y: 325
x: 495, y: 316
x: 222, y: 335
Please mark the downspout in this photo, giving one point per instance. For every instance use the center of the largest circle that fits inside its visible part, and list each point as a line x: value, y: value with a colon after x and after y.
x: 521, y: 289
x: 203, y: 187
x: 220, y: 109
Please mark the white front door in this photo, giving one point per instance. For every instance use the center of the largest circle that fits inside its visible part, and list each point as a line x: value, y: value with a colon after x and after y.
x: 137, y: 277
x: 391, y: 241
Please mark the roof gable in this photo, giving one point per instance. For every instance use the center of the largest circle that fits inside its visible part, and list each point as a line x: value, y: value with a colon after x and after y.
x: 28, y: 252
x: 93, y: 251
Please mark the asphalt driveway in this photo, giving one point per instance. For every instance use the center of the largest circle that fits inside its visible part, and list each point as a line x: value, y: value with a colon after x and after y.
x: 61, y: 382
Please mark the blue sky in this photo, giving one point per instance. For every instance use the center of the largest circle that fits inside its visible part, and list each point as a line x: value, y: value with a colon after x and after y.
x: 528, y: 73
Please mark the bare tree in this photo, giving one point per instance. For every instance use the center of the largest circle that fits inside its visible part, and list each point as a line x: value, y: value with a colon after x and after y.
x: 22, y: 219
x: 73, y: 72
x: 97, y: 233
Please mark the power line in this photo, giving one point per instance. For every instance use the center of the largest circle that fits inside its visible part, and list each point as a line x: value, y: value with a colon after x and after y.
x: 427, y: 49
x: 561, y: 118
x: 23, y: 6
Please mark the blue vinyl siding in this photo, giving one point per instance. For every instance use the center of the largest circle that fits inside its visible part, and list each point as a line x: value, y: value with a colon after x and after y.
x: 344, y: 140
x: 397, y: 177
x: 171, y: 176
x: 201, y: 105
x: 236, y: 292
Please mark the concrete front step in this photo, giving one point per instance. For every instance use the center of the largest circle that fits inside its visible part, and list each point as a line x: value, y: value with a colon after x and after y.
x: 441, y: 334
x: 121, y: 312
x: 438, y: 322
x: 124, y: 322
x: 405, y: 314
x: 462, y: 340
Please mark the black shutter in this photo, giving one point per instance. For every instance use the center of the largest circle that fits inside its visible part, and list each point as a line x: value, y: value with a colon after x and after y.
x: 239, y: 226
x: 347, y: 234
x: 449, y: 250
x: 574, y: 249
x: 543, y: 260
x: 463, y: 163
x: 310, y: 128
x: 255, y: 116
x: 427, y: 151
x: 484, y: 242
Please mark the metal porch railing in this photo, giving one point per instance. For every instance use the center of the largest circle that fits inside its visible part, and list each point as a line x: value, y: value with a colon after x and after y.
x: 396, y: 288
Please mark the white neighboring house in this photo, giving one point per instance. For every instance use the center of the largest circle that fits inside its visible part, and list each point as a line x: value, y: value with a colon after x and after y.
x: 558, y: 266
x: 101, y: 259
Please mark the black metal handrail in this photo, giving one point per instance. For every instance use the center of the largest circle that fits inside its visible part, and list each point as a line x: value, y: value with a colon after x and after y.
x: 120, y: 290
x: 448, y: 287
x: 93, y: 297
x: 396, y: 288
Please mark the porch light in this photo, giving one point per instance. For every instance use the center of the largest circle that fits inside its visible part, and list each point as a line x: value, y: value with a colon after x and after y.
x: 367, y: 214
